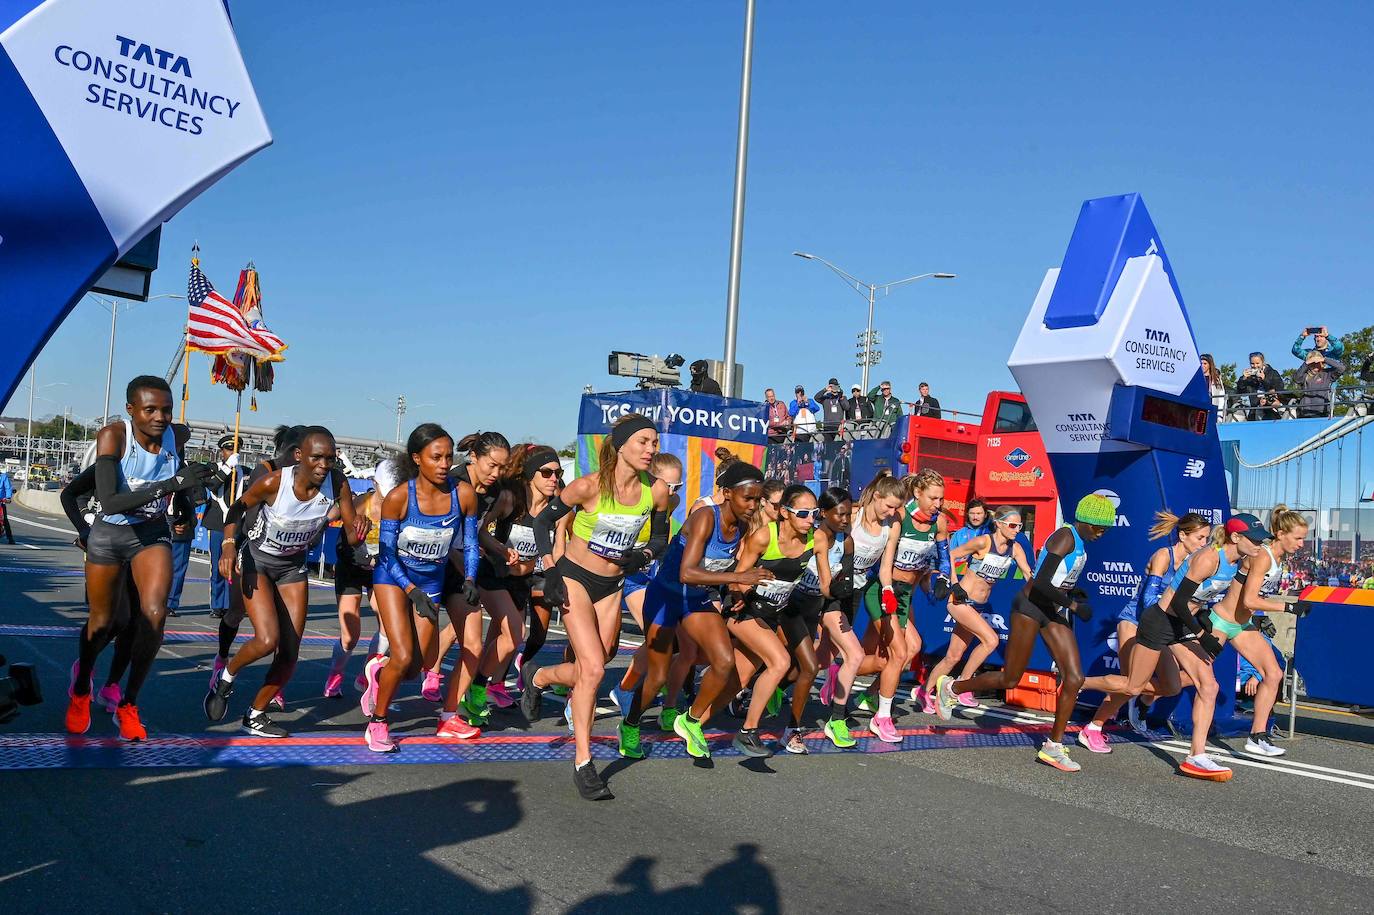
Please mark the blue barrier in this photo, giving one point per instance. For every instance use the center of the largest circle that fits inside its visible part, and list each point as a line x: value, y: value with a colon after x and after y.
x: 1333, y: 656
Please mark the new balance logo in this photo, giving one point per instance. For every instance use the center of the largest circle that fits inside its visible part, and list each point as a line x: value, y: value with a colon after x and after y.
x: 1194, y: 468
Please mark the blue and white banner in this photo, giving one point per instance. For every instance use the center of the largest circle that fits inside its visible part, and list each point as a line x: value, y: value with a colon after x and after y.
x: 679, y: 412
x: 115, y: 116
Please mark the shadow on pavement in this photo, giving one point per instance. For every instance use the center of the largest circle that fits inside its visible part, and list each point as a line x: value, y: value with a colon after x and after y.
x: 744, y: 883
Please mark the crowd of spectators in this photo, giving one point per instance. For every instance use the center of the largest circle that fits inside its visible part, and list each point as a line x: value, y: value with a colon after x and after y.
x: 1303, y: 569
x: 829, y: 414
x: 1261, y: 393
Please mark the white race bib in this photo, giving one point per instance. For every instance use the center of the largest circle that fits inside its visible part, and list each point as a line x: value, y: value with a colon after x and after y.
x: 614, y: 534
x: 425, y: 544
x: 290, y: 536
x: 914, y: 555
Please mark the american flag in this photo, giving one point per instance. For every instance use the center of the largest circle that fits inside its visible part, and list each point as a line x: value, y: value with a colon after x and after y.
x: 215, y: 325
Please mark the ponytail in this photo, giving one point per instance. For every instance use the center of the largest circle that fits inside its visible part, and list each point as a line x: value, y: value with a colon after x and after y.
x: 883, y: 486
x: 1167, y: 523
x: 1283, y: 520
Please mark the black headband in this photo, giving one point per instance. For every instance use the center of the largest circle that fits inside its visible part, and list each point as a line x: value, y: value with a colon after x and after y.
x: 739, y: 473
x: 536, y: 458
x: 624, y: 429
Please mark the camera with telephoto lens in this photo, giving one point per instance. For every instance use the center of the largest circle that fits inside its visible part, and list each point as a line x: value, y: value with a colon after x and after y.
x: 19, y: 688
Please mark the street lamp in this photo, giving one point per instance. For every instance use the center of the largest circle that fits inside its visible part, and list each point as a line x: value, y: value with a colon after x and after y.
x: 870, y: 290
x: 399, y: 407
x: 28, y: 439
x: 112, y: 306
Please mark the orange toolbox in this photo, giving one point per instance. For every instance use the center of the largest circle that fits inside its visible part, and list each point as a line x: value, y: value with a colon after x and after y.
x: 1038, y: 689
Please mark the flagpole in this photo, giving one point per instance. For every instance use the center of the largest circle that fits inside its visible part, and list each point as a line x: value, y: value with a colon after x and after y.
x: 234, y: 471
x: 186, y: 346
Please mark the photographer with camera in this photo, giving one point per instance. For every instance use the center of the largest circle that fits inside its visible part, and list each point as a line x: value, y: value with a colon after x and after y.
x: 1262, y: 383
x: 1321, y: 342
x: 1320, y: 372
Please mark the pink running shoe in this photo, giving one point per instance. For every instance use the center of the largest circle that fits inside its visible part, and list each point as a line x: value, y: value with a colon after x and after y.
x: 378, y: 737
x: 278, y: 701
x: 333, y: 687
x: 368, y: 702
x: 109, y: 696
x: 496, y: 692
x: 71, y: 683
x: 455, y: 728
x: 828, y: 690
x: 360, y: 681
x: 1094, y: 740
x: 884, y: 729
x: 926, y: 699
x: 215, y: 668
x: 432, y: 689
x: 967, y: 701
x: 519, y: 666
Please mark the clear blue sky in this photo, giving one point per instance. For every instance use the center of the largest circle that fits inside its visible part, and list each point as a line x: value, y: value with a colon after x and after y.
x: 473, y: 204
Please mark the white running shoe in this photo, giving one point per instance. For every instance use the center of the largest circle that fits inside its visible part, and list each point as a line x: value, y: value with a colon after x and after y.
x: 1259, y: 745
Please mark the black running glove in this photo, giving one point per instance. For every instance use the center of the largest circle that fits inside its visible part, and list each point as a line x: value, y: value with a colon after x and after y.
x: 1266, y: 626
x: 555, y: 592
x: 958, y: 594
x: 634, y: 560
x: 423, y: 604
x: 1081, y: 607
x: 940, y: 589
x: 1301, y: 608
x: 471, y: 595
x: 1210, y: 644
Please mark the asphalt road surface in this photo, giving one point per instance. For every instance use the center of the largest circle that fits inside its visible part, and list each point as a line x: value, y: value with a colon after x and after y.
x: 957, y: 818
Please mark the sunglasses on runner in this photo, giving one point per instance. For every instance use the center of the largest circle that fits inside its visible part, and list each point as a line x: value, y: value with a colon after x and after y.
x: 672, y: 487
x: 803, y: 513
x: 546, y: 472
x: 1013, y: 525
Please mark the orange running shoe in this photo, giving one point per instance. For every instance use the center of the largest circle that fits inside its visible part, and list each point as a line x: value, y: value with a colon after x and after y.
x: 455, y: 728
x: 79, y: 714
x: 130, y: 728
x: 1204, y: 768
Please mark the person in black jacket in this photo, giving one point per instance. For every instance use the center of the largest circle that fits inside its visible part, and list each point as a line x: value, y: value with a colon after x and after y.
x: 217, y: 502
x: 1262, y: 382
x: 703, y: 383
x: 925, y: 405
x: 858, y: 408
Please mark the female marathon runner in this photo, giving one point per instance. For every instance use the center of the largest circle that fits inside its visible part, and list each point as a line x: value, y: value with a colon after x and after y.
x: 825, y: 597
x: 683, y: 593
x: 296, y: 502
x: 352, y: 576
x: 991, y: 557
x: 1179, y: 622
x: 613, y: 505
x: 922, y: 563
x: 876, y: 533
x: 547, y: 483
x: 1190, y: 533
x: 487, y: 452
x: 1040, y: 608
x: 668, y: 468
x: 427, y: 521
x: 506, y: 582
x: 785, y: 548
x: 1233, y: 619
x: 136, y: 470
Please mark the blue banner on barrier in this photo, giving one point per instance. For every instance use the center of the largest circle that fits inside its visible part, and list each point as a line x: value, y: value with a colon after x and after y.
x: 680, y: 413
x: 1334, y: 665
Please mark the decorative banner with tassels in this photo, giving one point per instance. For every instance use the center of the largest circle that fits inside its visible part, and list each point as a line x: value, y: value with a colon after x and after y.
x: 232, y: 332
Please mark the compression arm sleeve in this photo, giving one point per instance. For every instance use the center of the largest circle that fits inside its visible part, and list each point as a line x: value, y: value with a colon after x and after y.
x: 472, y: 548
x: 235, y: 513
x: 1042, y: 585
x: 112, y: 501
x: 545, y: 523
x: 83, y: 483
x: 658, y: 534
x: 1152, y: 590
x: 942, y: 559
x: 1178, y: 606
x: 386, y: 552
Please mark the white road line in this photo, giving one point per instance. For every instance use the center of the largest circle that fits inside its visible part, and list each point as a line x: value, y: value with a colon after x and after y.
x: 1358, y: 779
x: 28, y: 870
x: 30, y: 546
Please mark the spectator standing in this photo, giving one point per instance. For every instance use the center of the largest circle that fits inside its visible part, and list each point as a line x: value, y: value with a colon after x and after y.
x: 803, y: 411
x: 1321, y: 340
x: 1216, y: 386
x: 858, y: 407
x: 702, y: 383
x: 833, y: 408
x: 217, y: 501
x: 6, y: 494
x: 1319, y: 373
x: 1262, y: 383
x: 886, y: 407
x: 779, y: 419
x: 925, y: 405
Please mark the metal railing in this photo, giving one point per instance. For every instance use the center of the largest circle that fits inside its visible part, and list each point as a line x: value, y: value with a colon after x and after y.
x: 1296, y: 403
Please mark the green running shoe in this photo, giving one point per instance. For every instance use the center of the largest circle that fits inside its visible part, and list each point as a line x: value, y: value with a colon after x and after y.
x: 629, y: 741
x: 475, y: 704
x: 690, y: 732
x: 838, y: 732
x: 774, y: 702
x: 560, y: 690
x: 866, y: 702
x: 666, y: 719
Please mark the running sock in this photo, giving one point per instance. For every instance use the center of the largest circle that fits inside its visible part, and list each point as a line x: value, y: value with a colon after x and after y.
x: 582, y: 765
x: 379, y: 719
x: 256, y: 713
x: 838, y: 711
x: 1092, y: 726
x: 340, y: 658
x: 885, y: 706
x: 226, y: 676
x: 480, y: 680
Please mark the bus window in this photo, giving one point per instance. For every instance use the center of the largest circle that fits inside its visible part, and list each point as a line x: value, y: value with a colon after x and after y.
x: 1013, y: 416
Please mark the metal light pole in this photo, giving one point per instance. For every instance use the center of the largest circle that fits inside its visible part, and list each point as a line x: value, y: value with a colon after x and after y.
x: 737, y: 216
x: 870, y: 291
x: 400, y: 411
x: 28, y: 439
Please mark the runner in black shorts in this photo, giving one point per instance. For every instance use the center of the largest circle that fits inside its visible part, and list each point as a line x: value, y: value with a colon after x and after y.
x: 352, y: 576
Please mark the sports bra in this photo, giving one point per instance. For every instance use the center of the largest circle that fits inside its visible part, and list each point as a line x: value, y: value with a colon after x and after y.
x: 1066, y: 576
x: 719, y: 555
x: 424, y: 541
x: 1211, y: 590
x: 810, y: 581
x: 139, y: 469
x: 286, y: 526
x: 994, y: 566
x: 786, y: 570
x: 916, y: 549
x: 1273, y: 578
x: 613, y: 527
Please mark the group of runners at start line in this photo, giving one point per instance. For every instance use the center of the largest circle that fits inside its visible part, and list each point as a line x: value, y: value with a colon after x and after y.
x: 760, y: 587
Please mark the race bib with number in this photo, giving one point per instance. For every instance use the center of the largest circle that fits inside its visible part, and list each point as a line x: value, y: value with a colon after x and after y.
x: 290, y: 536
x: 425, y: 544
x: 614, y: 534
x: 914, y: 555
x: 775, y: 593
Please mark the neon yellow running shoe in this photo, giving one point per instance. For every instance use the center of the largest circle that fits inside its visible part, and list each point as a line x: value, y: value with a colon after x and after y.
x: 866, y: 702
x: 630, y: 747
x: 837, y: 729
x: 666, y: 719
x: 774, y: 703
x: 690, y: 732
